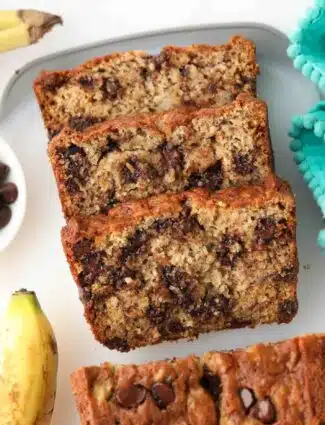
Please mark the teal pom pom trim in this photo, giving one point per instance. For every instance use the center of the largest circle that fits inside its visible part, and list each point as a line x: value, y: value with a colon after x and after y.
x: 307, y: 45
x: 308, y: 144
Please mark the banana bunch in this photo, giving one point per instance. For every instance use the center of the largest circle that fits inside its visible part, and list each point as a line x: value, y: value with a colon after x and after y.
x: 28, y: 363
x: 20, y: 28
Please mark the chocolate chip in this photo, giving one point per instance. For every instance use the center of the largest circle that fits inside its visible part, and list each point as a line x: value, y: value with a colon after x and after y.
x: 236, y: 323
x: 283, y: 231
x: 247, y: 80
x: 243, y: 164
x: 117, y: 343
x: 211, y: 306
x: 173, y: 157
x: 135, y: 169
x: 211, y: 178
x: 144, y: 72
x: 212, y: 87
x: 131, y: 171
x: 163, y: 224
x: 211, y: 383
x: 54, y: 132
x: 8, y: 193
x: 247, y: 397
x: 53, y: 81
x: 186, y: 101
x: 190, y: 224
x: 82, y: 123
x: 265, y: 231
x: 134, y: 245
x: 74, y: 149
x: 119, y: 277
x: 230, y: 249
x: 180, y: 284
x: 112, y: 145
x: 111, y: 88
x: 156, y: 314
x: 264, y: 411
x: 287, y: 274
x: 85, y: 279
x: 281, y: 206
x: 131, y: 396
x: 184, y: 70
x: 109, y: 204
x: 178, y: 226
x: 287, y: 310
x: 158, y: 61
x: 171, y: 329
x: 77, y: 166
x: 86, y: 82
x: 94, y: 260
x: 221, y: 302
x: 84, y: 294
x: 4, y: 170
x: 163, y: 394
x: 93, y: 266
x: 72, y: 186
x: 81, y: 248
x: 115, y: 277
x: 5, y: 215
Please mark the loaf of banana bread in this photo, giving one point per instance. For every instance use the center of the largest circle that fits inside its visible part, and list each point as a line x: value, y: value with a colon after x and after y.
x: 173, y: 266
x: 137, y: 157
x: 281, y: 383
x: 132, y: 82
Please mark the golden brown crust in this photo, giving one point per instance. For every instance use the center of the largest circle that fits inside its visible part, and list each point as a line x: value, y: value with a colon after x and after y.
x: 131, y: 214
x: 47, y: 83
x: 162, y: 121
x: 240, y: 42
x: 161, y: 127
x: 280, y: 383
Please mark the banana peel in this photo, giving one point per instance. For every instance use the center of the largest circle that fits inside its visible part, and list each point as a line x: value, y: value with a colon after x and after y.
x: 19, y: 28
x: 28, y: 363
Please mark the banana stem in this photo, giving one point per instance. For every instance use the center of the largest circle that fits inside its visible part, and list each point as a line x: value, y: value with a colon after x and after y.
x: 23, y: 300
x: 22, y: 27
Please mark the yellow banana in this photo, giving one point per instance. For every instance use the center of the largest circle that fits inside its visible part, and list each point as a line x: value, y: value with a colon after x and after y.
x: 28, y: 363
x: 9, y: 19
x: 22, y: 27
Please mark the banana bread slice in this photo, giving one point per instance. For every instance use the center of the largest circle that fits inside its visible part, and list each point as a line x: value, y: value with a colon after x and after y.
x: 132, y: 82
x: 131, y: 158
x: 174, y: 266
x: 281, y: 383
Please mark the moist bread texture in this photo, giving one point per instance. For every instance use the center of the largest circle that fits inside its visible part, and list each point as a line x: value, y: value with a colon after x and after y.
x: 133, y: 82
x: 280, y: 384
x: 174, y: 266
x: 138, y: 157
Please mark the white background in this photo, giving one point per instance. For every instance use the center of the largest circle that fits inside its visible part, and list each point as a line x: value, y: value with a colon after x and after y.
x: 95, y: 20
x: 92, y: 20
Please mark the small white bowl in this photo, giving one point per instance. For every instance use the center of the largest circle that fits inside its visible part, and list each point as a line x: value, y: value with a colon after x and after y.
x: 18, y: 208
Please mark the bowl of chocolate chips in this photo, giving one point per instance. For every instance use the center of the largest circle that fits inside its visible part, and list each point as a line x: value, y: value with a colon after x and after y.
x: 12, y: 195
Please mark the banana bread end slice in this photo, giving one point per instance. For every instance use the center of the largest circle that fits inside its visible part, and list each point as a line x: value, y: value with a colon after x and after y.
x: 174, y: 266
x: 133, y: 82
x: 137, y: 157
x: 279, y: 383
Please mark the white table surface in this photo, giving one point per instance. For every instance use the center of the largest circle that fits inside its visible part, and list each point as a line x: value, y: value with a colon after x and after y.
x: 89, y: 21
